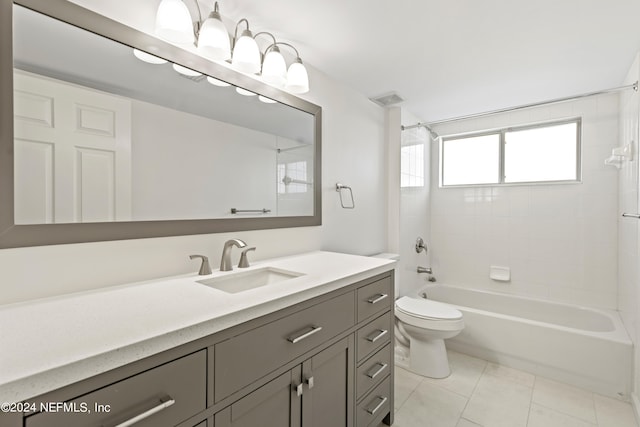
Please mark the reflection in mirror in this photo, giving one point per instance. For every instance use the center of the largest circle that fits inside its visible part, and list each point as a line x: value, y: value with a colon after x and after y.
x: 102, y: 134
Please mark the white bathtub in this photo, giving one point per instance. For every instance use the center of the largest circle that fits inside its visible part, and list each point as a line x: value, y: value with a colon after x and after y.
x: 586, y: 347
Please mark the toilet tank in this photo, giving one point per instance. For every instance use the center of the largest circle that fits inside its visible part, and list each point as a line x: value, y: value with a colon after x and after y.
x: 394, y: 257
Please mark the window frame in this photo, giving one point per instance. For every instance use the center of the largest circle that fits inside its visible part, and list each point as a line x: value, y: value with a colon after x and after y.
x: 501, y: 132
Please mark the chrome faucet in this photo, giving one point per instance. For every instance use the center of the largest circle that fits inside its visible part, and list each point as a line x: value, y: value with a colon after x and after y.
x: 225, y: 262
x: 424, y: 270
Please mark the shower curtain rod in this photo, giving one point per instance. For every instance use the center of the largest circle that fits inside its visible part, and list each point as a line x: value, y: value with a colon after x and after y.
x: 428, y: 125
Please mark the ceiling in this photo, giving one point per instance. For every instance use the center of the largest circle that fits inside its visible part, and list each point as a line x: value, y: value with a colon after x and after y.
x: 449, y: 58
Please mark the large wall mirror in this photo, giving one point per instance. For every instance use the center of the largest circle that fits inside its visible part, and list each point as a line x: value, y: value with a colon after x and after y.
x: 98, y: 144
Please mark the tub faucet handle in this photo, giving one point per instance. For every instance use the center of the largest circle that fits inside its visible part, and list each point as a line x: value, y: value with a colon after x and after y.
x: 421, y: 245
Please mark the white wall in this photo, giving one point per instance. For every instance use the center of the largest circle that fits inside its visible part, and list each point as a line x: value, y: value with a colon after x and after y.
x: 414, y: 214
x: 178, y: 172
x: 628, y: 228
x: 560, y: 241
x: 353, y: 153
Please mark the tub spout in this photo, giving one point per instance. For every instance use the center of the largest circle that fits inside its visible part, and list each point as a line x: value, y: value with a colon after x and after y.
x: 424, y: 270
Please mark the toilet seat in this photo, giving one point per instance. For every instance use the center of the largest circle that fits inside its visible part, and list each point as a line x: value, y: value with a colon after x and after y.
x: 427, y: 309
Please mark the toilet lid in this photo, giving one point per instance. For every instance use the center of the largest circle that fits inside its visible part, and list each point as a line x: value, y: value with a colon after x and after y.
x: 427, y: 309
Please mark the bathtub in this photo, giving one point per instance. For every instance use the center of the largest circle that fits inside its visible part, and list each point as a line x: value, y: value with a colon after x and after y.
x: 585, y: 347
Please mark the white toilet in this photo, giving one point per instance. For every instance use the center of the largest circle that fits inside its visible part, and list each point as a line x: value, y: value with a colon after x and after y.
x: 422, y: 326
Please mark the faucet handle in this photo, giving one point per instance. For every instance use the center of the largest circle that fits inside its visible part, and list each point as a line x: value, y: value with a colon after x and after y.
x: 244, y: 261
x: 205, y: 268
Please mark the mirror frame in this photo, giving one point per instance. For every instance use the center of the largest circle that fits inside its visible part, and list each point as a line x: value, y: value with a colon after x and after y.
x: 13, y: 235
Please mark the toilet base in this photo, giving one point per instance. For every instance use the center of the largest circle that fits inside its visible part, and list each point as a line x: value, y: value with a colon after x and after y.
x: 429, y: 358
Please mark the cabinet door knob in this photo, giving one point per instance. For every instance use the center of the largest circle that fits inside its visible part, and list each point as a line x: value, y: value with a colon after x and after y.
x: 298, y: 389
x: 309, y: 382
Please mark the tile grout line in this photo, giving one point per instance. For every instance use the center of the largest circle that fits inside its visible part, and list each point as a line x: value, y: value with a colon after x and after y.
x: 475, y: 386
x: 533, y: 388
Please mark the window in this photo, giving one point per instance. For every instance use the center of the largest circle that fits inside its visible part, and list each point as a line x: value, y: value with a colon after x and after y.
x: 292, y: 177
x: 525, y: 154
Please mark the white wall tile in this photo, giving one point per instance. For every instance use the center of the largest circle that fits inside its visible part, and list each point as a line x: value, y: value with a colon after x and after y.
x: 559, y: 240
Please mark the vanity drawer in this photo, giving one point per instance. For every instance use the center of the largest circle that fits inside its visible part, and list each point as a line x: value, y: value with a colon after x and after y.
x: 373, y: 335
x: 375, y: 406
x: 167, y: 395
x: 375, y: 298
x: 241, y: 360
x: 373, y: 370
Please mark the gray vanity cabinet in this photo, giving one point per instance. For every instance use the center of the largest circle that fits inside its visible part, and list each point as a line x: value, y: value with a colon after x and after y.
x: 325, y: 362
x: 316, y: 393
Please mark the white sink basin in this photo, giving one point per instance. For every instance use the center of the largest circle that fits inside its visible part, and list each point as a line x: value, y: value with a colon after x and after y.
x: 246, y: 280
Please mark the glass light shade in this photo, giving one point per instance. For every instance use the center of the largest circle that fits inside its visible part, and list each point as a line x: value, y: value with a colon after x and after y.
x: 147, y: 57
x: 213, y: 41
x: 186, y: 71
x: 274, y: 69
x: 266, y: 100
x: 173, y: 22
x: 246, y: 55
x: 245, y: 92
x: 297, y: 78
x: 217, y: 82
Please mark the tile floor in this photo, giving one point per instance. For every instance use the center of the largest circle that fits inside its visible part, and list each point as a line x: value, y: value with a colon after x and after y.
x: 483, y: 394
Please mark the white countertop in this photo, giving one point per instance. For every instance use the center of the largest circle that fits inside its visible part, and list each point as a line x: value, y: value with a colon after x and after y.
x: 49, y: 343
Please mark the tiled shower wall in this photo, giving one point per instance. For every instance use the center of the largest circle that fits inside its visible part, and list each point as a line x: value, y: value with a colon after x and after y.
x: 629, y: 228
x: 559, y: 240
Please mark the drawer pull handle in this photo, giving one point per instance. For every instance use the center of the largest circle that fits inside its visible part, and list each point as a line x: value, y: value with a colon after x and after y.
x: 147, y: 414
x: 298, y: 389
x: 377, y: 299
x: 378, y: 371
x: 383, y: 400
x: 381, y: 333
x: 314, y: 329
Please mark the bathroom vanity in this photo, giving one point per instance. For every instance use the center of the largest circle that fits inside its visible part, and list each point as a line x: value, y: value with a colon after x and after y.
x: 314, y: 348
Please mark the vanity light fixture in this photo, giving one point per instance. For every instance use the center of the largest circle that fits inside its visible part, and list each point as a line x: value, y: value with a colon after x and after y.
x: 147, y: 57
x: 213, y: 39
x: 174, y: 23
x: 246, y: 54
x: 245, y: 92
x: 297, y: 76
x: 186, y: 71
x: 266, y: 100
x: 217, y: 82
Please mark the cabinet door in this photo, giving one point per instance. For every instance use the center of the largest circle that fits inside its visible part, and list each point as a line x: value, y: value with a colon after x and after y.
x: 276, y: 404
x: 327, y: 399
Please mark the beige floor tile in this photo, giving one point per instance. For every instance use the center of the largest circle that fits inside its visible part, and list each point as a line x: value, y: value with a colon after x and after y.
x: 465, y: 373
x: 499, y: 402
x: 404, y: 384
x: 512, y: 374
x: 613, y: 413
x: 565, y: 398
x: 541, y: 416
x: 430, y: 406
